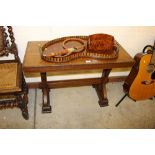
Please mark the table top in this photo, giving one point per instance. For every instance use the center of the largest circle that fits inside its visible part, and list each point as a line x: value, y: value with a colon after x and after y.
x: 34, y: 63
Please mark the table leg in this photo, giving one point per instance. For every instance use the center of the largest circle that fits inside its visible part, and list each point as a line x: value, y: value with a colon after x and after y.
x: 46, y: 107
x: 101, y: 88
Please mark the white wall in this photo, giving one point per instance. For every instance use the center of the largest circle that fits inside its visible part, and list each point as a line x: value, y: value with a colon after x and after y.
x: 133, y: 39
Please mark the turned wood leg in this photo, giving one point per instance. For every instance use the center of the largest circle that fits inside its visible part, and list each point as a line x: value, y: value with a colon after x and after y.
x: 22, y: 104
x: 46, y: 107
x: 23, y: 99
x: 25, y: 109
x: 101, y: 88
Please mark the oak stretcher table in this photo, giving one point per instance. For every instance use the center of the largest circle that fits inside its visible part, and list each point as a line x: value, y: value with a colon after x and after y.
x: 34, y: 64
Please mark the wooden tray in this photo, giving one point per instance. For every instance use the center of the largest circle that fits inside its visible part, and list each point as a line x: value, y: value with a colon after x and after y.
x: 57, y: 45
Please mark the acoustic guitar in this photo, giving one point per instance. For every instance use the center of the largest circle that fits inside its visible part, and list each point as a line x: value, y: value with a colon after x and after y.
x: 140, y: 84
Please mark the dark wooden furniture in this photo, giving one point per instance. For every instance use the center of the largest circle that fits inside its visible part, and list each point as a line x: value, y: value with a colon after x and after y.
x: 34, y: 64
x: 13, y: 88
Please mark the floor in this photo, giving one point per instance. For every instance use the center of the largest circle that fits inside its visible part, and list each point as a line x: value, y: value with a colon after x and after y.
x: 77, y: 107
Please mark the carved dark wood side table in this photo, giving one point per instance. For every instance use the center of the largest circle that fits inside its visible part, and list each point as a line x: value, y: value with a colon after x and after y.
x: 34, y: 64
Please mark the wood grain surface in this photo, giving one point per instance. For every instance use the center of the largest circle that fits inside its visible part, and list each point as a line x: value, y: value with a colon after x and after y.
x: 34, y: 63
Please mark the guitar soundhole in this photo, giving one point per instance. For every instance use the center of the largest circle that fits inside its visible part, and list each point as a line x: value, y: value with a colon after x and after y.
x: 153, y: 75
x: 150, y: 68
x: 147, y: 82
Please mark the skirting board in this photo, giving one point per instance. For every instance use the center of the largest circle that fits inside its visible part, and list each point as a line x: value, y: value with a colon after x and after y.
x: 76, y: 82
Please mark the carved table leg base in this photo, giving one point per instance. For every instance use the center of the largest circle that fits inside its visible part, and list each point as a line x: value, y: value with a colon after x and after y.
x: 101, y: 88
x: 103, y: 103
x: 46, y: 109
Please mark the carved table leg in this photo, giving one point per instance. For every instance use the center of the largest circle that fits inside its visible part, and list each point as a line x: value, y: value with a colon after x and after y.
x: 101, y: 88
x: 46, y: 108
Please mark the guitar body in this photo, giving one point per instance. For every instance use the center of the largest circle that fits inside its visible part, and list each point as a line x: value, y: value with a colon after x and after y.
x: 140, y: 83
